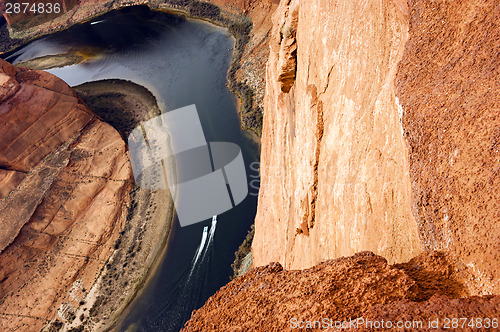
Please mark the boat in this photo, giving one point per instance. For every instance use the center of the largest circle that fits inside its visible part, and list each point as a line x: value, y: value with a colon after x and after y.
x: 205, y: 229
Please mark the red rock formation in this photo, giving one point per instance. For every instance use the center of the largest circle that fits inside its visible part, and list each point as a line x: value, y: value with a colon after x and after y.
x: 361, y: 286
x: 335, y: 166
x: 64, y: 183
x: 440, y: 313
x: 336, y: 176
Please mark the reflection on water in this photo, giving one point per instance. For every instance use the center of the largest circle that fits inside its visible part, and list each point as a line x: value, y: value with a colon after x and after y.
x: 182, y: 62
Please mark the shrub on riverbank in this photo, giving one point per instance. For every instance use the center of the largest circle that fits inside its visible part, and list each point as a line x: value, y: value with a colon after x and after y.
x: 243, y: 250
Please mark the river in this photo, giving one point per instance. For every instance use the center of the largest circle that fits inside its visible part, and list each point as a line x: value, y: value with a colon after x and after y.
x: 182, y: 62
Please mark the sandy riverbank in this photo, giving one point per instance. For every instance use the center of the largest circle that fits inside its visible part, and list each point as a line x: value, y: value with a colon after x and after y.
x: 52, y: 61
x: 143, y: 239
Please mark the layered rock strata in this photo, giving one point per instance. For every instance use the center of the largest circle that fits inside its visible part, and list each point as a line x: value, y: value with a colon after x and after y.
x: 65, y: 185
x: 334, y: 172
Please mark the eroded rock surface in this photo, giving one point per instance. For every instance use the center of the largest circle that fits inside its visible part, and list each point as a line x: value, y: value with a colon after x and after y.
x: 448, y: 84
x: 269, y: 298
x: 64, y: 187
x: 334, y: 176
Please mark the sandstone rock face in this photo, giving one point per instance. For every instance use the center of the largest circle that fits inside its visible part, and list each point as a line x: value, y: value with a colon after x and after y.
x: 364, y: 285
x: 448, y: 85
x: 334, y: 172
x: 64, y: 182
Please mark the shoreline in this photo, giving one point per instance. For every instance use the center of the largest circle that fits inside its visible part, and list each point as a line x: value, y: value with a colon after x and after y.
x: 150, y: 215
x: 238, y: 25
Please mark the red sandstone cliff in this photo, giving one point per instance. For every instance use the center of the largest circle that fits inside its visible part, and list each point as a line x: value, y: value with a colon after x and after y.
x: 64, y: 179
x: 334, y: 171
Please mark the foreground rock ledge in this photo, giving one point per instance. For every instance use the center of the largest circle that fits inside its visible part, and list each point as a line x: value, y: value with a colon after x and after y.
x: 364, y: 285
x: 65, y: 178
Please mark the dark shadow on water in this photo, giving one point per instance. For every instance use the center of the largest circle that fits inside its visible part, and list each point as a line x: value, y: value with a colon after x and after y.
x: 120, y: 31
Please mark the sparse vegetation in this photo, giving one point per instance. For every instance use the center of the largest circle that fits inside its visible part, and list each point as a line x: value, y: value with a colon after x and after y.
x: 205, y: 10
x: 55, y: 326
x: 95, y: 307
x: 71, y: 316
x: 79, y: 328
x: 243, y: 250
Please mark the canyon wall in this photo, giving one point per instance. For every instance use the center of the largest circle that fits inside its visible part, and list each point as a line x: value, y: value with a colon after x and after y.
x: 367, y: 146
x: 65, y: 177
x: 334, y: 172
x: 351, y: 163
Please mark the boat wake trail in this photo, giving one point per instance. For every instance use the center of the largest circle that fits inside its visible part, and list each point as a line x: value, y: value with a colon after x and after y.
x: 201, y: 246
x: 185, y: 294
x: 212, y: 231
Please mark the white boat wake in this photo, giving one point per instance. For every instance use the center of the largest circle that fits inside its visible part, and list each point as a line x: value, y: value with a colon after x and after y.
x: 186, y: 292
x: 212, y: 230
x: 202, y: 248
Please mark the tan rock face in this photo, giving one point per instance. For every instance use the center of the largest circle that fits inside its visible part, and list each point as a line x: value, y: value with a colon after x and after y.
x: 33, y: 108
x: 8, y: 86
x: 64, y: 187
x: 334, y: 176
x: 337, y: 173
